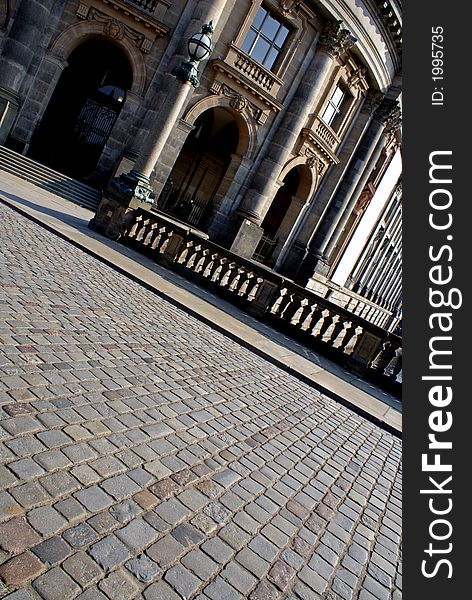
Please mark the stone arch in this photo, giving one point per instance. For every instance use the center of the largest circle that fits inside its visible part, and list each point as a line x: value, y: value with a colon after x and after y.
x: 308, y: 184
x: 246, y: 125
x: 296, y: 184
x: 69, y: 39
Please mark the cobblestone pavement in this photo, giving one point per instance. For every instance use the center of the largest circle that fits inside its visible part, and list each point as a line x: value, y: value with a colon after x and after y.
x: 145, y: 455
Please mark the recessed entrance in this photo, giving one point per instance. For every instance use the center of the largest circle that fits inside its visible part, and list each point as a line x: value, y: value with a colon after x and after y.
x: 83, y: 108
x: 283, y: 213
x: 201, y: 167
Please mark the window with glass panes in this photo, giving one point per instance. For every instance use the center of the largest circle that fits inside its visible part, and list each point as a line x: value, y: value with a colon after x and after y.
x: 265, y: 38
x: 333, y: 109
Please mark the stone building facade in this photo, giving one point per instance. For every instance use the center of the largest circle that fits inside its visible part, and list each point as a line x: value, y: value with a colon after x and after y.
x: 275, y: 154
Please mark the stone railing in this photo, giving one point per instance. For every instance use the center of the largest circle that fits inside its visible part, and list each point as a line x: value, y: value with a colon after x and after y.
x: 254, y: 70
x: 261, y: 77
x: 326, y: 134
x: 326, y: 327
x: 155, y: 8
x: 148, y: 5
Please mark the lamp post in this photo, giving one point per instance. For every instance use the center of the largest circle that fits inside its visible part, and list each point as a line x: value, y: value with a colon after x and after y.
x: 199, y: 48
x: 136, y: 183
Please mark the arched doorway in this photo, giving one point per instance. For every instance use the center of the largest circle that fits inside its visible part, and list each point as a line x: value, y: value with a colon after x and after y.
x: 201, y: 167
x: 84, y: 107
x: 283, y: 213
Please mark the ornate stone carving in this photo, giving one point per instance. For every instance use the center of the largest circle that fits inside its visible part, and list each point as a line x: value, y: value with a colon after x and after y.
x: 388, y: 112
x: 114, y: 28
x: 134, y: 185
x: 288, y: 7
x: 357, y: 77
x: 334, y: 40
x: 239, y: 102
x: 372, y: 101
x: 313, y: 161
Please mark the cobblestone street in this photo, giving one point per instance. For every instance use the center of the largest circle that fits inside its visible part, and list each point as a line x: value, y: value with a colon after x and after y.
x: 145, y: 455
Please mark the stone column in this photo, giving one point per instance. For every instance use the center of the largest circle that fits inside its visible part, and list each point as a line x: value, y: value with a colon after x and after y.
x: 131, y: 190
x: 18, y: 52
x: 361, y: 165
x: 333, y: 41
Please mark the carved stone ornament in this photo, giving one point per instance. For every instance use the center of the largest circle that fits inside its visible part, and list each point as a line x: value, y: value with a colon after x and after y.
x: 113, y: 28
x: 357, y: 77
x: 388, y: 112
x: 239, y: 102
x: 288, y: 7
x: 372, y: 101
x: 134, y: 185
x: 334, y: 40
x: 314, y: 162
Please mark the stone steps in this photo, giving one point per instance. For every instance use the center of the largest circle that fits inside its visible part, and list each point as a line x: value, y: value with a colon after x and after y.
x: 48, y: 179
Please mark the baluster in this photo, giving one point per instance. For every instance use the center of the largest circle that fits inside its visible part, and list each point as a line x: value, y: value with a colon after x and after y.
x: 282, y: 301
x: 165, y: 240
x: 184, y: 255
x: 203, y: 262
x: 314, y: 319
x: 219, y: 271
x: 210, y: 266
x: 383, y: 357
x: 336, y: 331
x: 236, y: 280
x: 131, y: 233
x: 349, y: 334
x: 245, y: 284
x: 327, y: 322
x: 292, y: 309
x: 156, y: 242
x: 395, y: 365
x: 193, y: 257
x: 254, y: 289
x: 142, y: 231
x: 227, y: 276
x: 305, y: 315
x: 150, y: 234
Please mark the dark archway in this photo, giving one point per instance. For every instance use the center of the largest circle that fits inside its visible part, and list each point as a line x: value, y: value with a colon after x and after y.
x: 83, y: 108
x: 201, y: 166
x: 281, y: 203
x: 283, y: 212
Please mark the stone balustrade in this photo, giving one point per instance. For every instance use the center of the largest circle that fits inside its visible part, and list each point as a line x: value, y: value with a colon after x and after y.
x: 326, y: 327
x: 326, y: 134
x: 147, y: 5
x: 254, y: 70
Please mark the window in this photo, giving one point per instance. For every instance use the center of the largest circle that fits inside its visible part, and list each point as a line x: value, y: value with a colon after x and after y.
x: 266, y: 38
x: 334, y: 108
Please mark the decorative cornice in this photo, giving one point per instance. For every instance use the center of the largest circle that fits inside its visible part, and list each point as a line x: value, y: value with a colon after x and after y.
x: 239, y: 102
x: 288, y: 7
x: 334, y: 40
x: 372, y: 101
x: 118, y: 29
x: 388, y: 113
x: 315, y: 146
x: 240, y: 79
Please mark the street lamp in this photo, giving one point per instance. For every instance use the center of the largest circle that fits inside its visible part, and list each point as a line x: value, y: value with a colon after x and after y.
x: 199, y: 48
x: 136, y: 183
